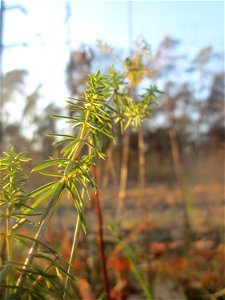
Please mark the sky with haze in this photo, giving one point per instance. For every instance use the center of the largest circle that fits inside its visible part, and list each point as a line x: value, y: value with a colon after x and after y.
x: 45, y: 29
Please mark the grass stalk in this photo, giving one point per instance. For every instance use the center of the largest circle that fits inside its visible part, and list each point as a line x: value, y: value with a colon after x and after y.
x: 73, y: 253
x: 135, y: 268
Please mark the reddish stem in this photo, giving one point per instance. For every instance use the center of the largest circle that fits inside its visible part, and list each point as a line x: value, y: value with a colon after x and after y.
x: 100, y: 237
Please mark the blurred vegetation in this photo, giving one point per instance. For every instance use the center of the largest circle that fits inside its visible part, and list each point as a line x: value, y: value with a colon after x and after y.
x: 183, y: 148
x: 195, y: 91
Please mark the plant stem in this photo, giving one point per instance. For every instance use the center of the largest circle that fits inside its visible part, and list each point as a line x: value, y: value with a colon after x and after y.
x: 141, y: 161
x: 82, y: 135
x: 123, y: 176
x: 73, y: 253
x: 8, y: 247
x: 9, y: 278
x: 50, y: 209
x: 3, y: 252
x: 8, y: 239
x: 100, y: 238
x: 135, y: 268
x: 74, y: 245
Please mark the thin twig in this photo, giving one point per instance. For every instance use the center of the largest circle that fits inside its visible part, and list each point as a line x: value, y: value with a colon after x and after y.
x: 72, y: 254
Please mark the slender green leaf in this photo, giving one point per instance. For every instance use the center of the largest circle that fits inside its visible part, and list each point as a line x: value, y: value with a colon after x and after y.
x: 42, y: 189
x: 5, y: 270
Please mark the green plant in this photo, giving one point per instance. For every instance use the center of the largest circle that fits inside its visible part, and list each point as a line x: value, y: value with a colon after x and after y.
x: 13, y: 201
x: 104, y: 103
x: 16, y: 210
x: 73, y: 172
x: 132, y: 109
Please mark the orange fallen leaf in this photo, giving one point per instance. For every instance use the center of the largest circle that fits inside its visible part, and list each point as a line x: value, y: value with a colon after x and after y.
x: 179, y: 263
x: 158, y: 248
x: 120, y: 264
x: 85, y: 289
x: 77, y: 265
x: 66, y: 248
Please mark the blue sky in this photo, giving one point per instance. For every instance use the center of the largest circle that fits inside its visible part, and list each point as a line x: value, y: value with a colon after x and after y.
x: 195, y: 23
x: 199, y: 22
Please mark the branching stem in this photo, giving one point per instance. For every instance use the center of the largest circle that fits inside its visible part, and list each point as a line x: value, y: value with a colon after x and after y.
x: 82, y: 135
x: 53, y: 203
